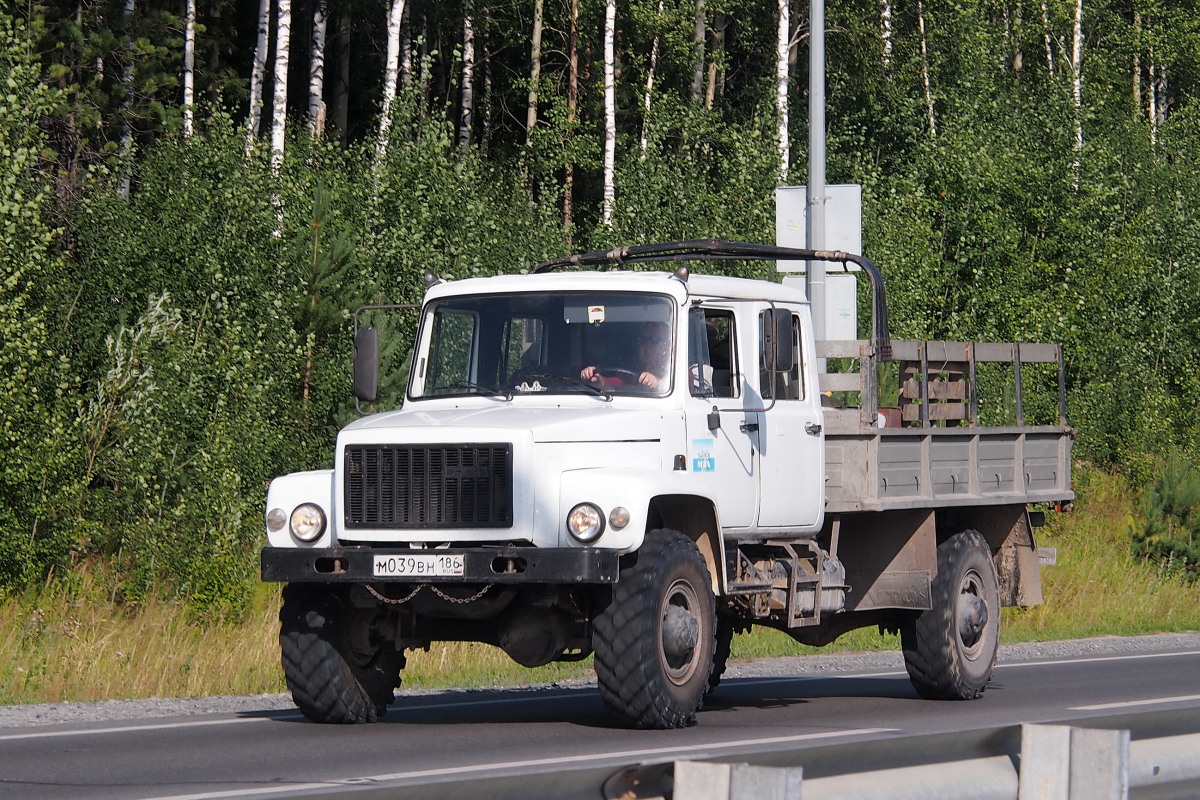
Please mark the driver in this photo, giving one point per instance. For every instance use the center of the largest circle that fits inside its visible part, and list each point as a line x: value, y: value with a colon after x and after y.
x: 653, y: 346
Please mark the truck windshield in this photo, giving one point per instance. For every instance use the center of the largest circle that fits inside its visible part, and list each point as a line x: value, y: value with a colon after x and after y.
x: 546, y: 343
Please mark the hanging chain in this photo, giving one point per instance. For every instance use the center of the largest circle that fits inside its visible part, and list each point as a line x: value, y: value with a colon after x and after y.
x: 461, y: 600
x: 391, y: 601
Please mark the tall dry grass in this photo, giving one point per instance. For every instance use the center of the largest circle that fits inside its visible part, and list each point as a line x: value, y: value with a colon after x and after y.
x: 73, y: 644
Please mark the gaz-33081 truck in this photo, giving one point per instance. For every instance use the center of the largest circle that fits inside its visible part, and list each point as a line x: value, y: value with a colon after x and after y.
x: 637, y: 464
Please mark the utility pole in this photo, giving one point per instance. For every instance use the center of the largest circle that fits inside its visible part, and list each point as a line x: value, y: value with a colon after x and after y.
x: 816, y: 162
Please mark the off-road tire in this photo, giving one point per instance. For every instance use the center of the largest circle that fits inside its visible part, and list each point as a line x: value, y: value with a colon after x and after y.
x: 946, y: 657
x: 725, y: 631
x: 337, y: 670
x: 649, y: 679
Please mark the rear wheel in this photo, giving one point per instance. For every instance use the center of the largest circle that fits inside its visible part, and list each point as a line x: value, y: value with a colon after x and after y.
x: 655, y: 641
x: 950, y: 650
x: 339, y: 665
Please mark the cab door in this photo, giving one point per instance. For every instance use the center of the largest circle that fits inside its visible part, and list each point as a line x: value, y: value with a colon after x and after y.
x: 790, y: 439
x: 721, y: 437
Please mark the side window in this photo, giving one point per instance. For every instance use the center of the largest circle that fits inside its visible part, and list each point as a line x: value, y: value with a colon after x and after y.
x: 711, y: 350
x: 787, y: 384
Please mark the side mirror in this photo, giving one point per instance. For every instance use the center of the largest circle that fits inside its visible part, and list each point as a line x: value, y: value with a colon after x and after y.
x: 777, y: 340
x: 366, y: 364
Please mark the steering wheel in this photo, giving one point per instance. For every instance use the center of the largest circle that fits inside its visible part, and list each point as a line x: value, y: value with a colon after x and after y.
x: 628, y: 377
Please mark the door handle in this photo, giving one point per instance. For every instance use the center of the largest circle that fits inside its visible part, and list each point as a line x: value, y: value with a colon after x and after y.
x: 812, y: 428
x: 748, y: 427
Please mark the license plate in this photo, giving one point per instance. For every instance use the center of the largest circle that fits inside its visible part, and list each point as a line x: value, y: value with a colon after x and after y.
x: 418, y: 566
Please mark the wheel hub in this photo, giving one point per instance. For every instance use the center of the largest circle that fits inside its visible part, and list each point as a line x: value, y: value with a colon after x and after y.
x: 680, y: 634
x: 972, y: 618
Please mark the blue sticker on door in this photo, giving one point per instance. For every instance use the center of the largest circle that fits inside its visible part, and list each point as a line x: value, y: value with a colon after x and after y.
x: 703, y: 459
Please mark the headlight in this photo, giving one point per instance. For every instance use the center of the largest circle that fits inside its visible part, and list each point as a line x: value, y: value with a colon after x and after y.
x: 308, y: 522
x: 585, y: 522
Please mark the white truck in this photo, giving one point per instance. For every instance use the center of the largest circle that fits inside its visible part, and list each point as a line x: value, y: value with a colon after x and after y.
x: 539, y: 492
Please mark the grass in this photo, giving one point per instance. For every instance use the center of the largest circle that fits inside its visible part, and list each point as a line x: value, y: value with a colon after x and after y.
x: 71, y: 643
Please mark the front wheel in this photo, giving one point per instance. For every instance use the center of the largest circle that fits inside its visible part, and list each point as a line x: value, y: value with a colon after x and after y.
x: 655, y: 641
x: 339, y: 664
x: 950, y: 650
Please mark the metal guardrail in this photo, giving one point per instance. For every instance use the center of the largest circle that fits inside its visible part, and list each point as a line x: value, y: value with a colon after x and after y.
x: 1155, y: 754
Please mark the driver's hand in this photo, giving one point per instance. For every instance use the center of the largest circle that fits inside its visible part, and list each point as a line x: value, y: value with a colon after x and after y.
x: 649, y: 380
x: 590, y: 374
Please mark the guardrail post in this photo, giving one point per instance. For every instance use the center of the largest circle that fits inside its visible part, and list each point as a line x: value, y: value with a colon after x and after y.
x: 701, y: 780
x: 1059, y: 762
x: 1045, y: 762
x: 1099, y: 764
x: 748, y: 782
x: 698, y: 780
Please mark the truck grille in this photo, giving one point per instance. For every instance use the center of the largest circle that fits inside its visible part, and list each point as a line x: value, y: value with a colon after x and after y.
x: 429, y: 486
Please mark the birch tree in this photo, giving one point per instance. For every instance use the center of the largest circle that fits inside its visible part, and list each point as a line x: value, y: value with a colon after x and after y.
x: 257, y: 70
x: 466, y: 117
x: 718, y: 49
x: 283, y: 40
x: 885, y: 34
x: 391, y: 70
x: 650, y: 85
x: 572, y: 110
x: 535, y: 73
x: 610, y: 112
x: 1047, y: 39
x: 782, y: 51
x: 1077, y: 87
x: 125, y: 150
x: 698, y: 53
x: 925, y: 83
x: 316, y: 72
x: 189, y: 68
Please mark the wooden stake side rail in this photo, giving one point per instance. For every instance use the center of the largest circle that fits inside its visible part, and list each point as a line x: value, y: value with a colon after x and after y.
x: 930, y: 451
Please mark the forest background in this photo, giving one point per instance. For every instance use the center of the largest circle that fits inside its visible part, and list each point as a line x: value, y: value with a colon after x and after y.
x: 193, y: 195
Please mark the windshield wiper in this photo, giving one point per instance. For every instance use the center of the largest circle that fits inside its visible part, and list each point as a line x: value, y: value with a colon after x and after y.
x: 487, y: 390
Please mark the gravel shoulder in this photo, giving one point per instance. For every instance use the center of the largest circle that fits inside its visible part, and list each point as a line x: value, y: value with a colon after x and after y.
x: 19, y: 716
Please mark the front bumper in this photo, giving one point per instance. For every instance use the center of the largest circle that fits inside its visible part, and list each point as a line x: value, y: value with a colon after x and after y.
x: 552, y: 565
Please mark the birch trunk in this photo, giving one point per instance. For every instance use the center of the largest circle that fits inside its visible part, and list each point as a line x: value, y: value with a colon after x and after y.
x: 466, y: 119
x: 698, y: 53
x: 650, y: 85
x: 1047, y: 39
x: 718, y: 47
x: 1077, y: 87
x: 189, y: 69
x: 406, y: 52
x: 885, y: 33
x: 925, y: 83
x: 535, y: 73
x: 782, y: 52
x: 316, y: 74
x: 283, y: 39
x: 1136, y: 76
x: 572, y: 110
x: 257, y: 70
x: 1160, y: 92
x: 391, y: 69
x: 610, y: 112
x: 125, y: 153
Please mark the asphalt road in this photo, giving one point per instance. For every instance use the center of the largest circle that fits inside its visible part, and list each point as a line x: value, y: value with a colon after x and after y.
x: 772, y: 705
